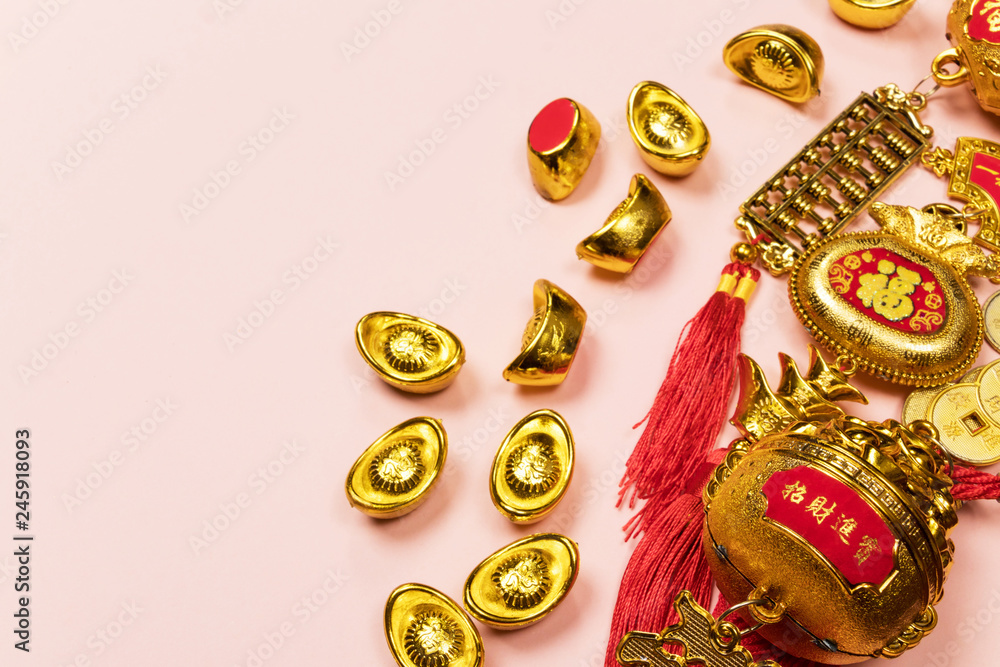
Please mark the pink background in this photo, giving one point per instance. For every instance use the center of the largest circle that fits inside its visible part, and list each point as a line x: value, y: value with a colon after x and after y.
x: 461, y: 239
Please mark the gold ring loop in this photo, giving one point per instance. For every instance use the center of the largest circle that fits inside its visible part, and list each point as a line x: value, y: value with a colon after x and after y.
x: 945, y: 78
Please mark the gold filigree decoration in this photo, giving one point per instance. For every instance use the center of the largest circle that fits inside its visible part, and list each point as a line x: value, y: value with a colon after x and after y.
x: 410, y: 348
x: 773, y: 63
x: 532, y: 468
x: 840, y: 278
x: 925, y: 319
x: 522, y: 580
x: 666, y: 126
x: 397, y: 469
x: 433, y: 640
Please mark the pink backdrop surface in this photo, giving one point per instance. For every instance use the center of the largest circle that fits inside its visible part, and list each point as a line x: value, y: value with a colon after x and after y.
x: 196, y: 212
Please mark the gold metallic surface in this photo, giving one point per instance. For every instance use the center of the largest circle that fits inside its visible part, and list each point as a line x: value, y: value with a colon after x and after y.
x: 744, y: 253
x: 522, y: 582
x: 410, y: 353
x: 778, y: 59
x: 629, y: 230
x: 871, y: 13
x: 555, y: 173
x: 550, y: 338
x: 965, y: 427
x: 425, y: 628
x: 670, y: 135
x: 970, y: 60
x: 991, y: 318
x: 835, y: 176
x: 917, y: 405
x: 533, y: 467
x: 897, y: 473
x: 918, y: 359
x: 396, y: 473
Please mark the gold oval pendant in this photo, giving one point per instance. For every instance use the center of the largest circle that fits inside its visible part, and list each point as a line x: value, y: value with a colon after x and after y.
x: 671, y: 137
x: 629, y: 230
x: 521, y: 583
x: 884, y: 303
x: 778, y: 59
x: 550, y: 339
x: 975, y: 54
x: 425, y: 628
x: 533, y: 467
x: 396, y: 473
x: 410, y: 353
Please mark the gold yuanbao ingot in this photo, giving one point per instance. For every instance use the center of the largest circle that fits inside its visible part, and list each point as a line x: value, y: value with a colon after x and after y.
x: 397, y: 472
x: 974, y: 31
x: 629, y: 230
x: 779, y: 59
x: 562, y: 140
x: 871, y: 13
x: 426, y: 628
x: 842, y: 525
x: 550, y: 338
x: 410, y: 353
x: 521, y: 583
x: 896, y: 303
x: 671, y: 137
x: 533, y: 467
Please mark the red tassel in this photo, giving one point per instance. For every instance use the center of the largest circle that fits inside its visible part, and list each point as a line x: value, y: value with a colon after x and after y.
x: 690, y: 406
x: 669, y: 467
x: 972, y: 484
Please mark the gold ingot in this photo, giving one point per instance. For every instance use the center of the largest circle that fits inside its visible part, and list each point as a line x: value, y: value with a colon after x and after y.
x: 410, y: 353
x: 871, y: 13
x: 397, y: 472
x: 629, y: 230
x: 671, y: 137
x: 562, y: 140
x: 779, y: 59
x: 975, y: 52
x: 426, y: 628
x: 550, y: 338
x: 521, y: 583
x: 965, y: 428
x: 533, y: 467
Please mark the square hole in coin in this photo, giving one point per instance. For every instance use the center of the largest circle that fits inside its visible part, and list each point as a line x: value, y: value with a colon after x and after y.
x: 973, y: 423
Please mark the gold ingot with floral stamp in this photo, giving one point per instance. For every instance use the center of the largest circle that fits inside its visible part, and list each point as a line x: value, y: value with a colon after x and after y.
x: 523, y: 582
x: 671, y: 137
x: 397, y: 472
x: 533, y: 467
x: 409, y: 353
x: 426, y: 628
x: 778, y: 59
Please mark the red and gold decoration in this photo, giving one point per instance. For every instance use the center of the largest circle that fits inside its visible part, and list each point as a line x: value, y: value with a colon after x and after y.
x: 858, y: 513
x: 974, y: 58
x: 895, y: 303
x: 562, y: 140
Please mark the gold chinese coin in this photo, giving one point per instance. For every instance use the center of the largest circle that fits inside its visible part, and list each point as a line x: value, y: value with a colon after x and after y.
x: 410, y: 353
x: 533, y: 467
x: 918, y: 404
x: 426, y: 628
x: 991, y: 316
x: 522, y: 582
x: 966, y: 430
x: 395, y: 473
